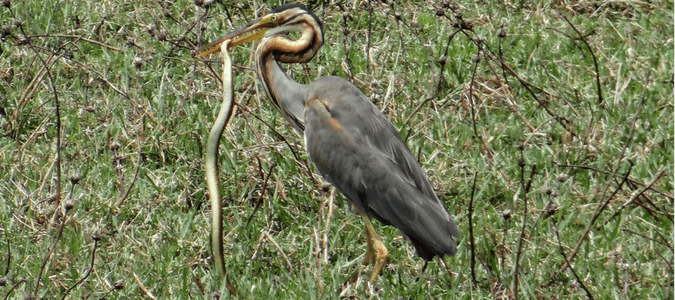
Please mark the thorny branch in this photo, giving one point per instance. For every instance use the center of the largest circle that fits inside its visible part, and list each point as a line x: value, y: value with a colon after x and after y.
x: 525, y: 189
x: 16, y: 285
x: 442, y: 60
x: 595, y: 60
x: 618, y: 165
x: 467, y: 30
x: 595, y: 217
x: 562, y: 252
x: 9, y: 255
x: 91, y: 267
x: 472, y: 240
x: 632, y: 181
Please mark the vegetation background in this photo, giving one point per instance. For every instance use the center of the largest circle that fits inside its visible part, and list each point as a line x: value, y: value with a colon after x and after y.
x: 546, y: 128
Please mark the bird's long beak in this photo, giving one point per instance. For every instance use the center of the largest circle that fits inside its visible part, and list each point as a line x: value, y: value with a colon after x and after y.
x: 252, y: 31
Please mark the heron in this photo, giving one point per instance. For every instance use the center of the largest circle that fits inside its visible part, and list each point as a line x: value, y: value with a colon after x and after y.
x: 349, y: 140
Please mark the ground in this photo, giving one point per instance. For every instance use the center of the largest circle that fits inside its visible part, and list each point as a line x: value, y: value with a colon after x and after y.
x: 545, y: 127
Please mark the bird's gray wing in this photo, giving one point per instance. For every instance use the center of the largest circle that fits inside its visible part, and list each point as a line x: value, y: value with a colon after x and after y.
x: 382, y: 135
x: 366, y: 120
x: 359, y: 151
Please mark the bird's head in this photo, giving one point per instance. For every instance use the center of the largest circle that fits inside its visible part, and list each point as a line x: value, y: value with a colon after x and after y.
x: 286, y: 18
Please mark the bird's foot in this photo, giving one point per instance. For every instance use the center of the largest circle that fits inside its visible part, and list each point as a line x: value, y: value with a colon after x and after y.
x: 377, y: 255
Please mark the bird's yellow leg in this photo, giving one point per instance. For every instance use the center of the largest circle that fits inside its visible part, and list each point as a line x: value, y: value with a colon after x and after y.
x: 376, y: 253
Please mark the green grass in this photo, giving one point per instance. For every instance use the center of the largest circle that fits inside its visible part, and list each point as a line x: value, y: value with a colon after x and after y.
x: 164, y: 107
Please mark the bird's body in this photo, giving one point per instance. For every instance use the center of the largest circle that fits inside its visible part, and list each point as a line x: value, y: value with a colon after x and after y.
x: 347, y: 132
x: 351, y: 143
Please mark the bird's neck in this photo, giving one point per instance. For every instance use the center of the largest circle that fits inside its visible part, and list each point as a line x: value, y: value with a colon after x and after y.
x: 300, y: 50
x: 286, y: 94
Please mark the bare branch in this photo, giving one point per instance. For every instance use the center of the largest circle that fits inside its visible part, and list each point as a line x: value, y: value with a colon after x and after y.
x: 562, y: 252
x: 288, y: 262
x: 472, y: 240
x: 91, y: 267
x: 595, y: 60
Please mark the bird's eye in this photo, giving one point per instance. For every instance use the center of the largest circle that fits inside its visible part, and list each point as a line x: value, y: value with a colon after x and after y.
x: 274, y: 18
